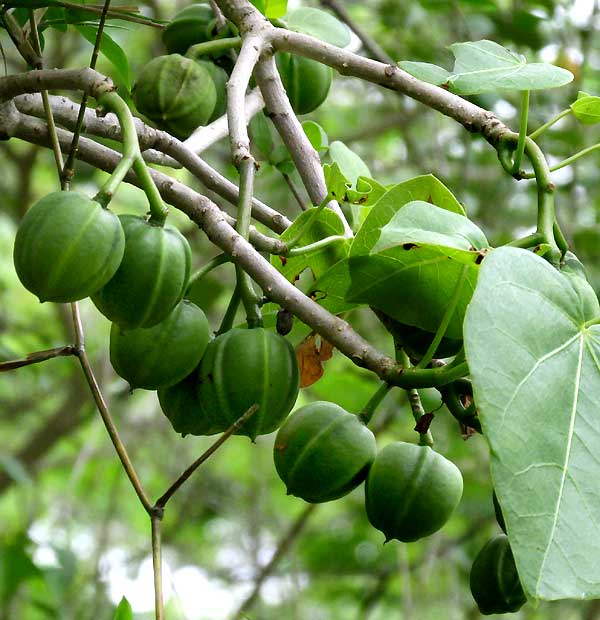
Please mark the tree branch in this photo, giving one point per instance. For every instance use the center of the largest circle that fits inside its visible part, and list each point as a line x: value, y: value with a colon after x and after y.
x: 65, y: 112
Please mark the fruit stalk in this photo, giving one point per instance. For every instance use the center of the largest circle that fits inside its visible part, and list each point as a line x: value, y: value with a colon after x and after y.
x: 132, y: 157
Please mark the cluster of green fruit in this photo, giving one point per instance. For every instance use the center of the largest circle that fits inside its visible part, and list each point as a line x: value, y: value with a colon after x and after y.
x: 322, y: 452
x: 181, y: 93
x: 69, y: 247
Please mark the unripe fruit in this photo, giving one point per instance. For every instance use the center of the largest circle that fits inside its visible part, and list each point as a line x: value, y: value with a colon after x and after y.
x: 181, y: 405
x: 243, y: 367
x: 67, y: 247
x: 306, y: 81
x: 164, y: 354
x: 188, y: 27
x: 411, y: 491
x: 322, y: 452
x: 494, y: 580
x: 151, y: 278
x: 219, y: 77
x: 176, y: 93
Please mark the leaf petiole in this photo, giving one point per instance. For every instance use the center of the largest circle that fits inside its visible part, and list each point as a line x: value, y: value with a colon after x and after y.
x: 522, y: 132
x: 540, y: 130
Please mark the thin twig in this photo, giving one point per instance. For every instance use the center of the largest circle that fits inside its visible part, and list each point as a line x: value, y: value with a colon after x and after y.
x: 44, y: 93
x: 116, y: 13
x: 374, y: 49
x: 294, y: 190
x: 104, y: 412
x: 155, y: 523
x: 67, y: 171
x: 37, y: 357
x: 162, y: 501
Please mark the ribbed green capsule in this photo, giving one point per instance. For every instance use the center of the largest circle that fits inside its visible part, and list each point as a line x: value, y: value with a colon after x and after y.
x: 243, y: 367
x: 322, y: 452
x: 67, y: 247
x: 175, y: 92
x: 181, y: 405
x: 307, y: 82
x: 164, y: 354
x: 494, y: 580
x: 411, y: 491
x: 151, y: 278
x: 188, y: 27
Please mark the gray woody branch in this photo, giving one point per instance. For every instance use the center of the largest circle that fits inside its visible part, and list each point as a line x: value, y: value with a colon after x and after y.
x: 472, y: 117
x: 65, y: 113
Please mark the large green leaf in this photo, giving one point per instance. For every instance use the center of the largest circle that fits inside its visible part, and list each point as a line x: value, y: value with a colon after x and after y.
x: 537, y: 390
x: 412, y: 273
x: 426, y: 188
x: 414, y: 283
x: 484, y: 66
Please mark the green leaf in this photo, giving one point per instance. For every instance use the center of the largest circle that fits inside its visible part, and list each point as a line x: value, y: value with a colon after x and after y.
x: 331, y: 288
x: 413, y: 283
x: 484, y: 66
x: 276, y: 8
x: 413, y: 270
x: 421, y: 222
x: 587, y: 110
x: 326, y: 224
x: 316, y: 135
x: 261, y: 5
x: 111, y: 50
x: 426, y: 188
x: 318, y: 24
x: 537, y: 389
x: 351, y: 165
x: 123, y: 611
x: 425, y: 71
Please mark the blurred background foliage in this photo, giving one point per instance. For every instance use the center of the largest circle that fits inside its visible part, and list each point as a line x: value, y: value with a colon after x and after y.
x: 73, y: 537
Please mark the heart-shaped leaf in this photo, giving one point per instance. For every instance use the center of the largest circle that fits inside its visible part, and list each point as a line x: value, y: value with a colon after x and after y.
x: 537, y: 389
x: 484, y: 66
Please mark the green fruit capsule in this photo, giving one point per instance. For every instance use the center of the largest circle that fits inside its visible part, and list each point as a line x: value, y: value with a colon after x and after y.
x: 494, y: 580
x: 67, y: 247
x: 306, y: 81
x: 164, y: 354
x: 411, y: 491
x: 322, y: 452
x: 181, y: 405
x: 176, y: 93
x: 151, y: 278
x: 188, y: 27
x: 243, y: 367
x: 219, y: 77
